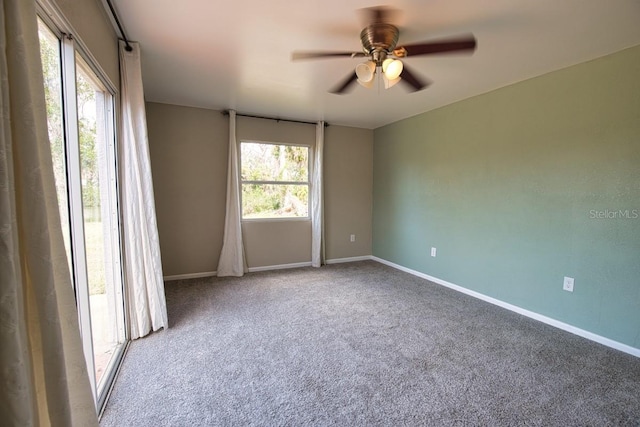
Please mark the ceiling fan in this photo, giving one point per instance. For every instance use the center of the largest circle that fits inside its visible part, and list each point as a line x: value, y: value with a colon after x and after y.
x: 380, y: 45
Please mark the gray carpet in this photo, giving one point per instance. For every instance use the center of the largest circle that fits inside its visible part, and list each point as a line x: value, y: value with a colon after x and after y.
x: 362, y: 344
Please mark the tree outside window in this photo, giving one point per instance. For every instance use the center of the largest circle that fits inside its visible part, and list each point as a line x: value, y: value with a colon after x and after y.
x: 275, y: 180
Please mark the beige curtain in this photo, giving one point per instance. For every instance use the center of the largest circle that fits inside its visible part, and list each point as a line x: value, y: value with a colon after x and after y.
x: 43, y: 375
x: 146, y: 303
x: 317, y: 200
x: 232, y: 260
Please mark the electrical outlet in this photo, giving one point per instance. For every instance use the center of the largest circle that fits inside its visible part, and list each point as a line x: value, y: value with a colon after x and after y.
x: 433, y: 252
x: 568, y: 284
x: 352, y: 238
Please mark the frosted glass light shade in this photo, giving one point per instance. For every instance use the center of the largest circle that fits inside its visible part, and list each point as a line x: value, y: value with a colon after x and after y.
x: 365, y: 71
x: 393, y: 69
x: 386, y: 63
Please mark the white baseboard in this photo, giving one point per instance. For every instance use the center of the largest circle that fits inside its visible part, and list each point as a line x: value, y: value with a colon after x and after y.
x: 280, y: 266
x: 267, y: 268
x: 350, y: 259
x: 308, y: 264
x: 533, y: 315
x: 190, y: 276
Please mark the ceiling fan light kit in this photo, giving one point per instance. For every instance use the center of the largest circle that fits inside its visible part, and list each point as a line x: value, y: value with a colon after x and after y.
x: 379, y: 40
x: 391, y: 70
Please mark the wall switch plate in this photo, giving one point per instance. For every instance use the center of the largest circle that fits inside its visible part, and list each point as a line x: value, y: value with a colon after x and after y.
x: 433, y: 252
x: 568, y: 284
x: 352, y: 238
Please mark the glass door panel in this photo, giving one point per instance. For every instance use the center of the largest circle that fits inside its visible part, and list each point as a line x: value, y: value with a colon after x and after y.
x: 51, y: 67
x: 99, y: 201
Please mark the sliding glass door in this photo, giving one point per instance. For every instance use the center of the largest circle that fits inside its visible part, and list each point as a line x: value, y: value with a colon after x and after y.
x: 80, y: 115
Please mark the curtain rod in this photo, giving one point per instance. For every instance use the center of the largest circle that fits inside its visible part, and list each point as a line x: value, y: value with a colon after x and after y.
x: 115, y: 17
x: 226, y: 113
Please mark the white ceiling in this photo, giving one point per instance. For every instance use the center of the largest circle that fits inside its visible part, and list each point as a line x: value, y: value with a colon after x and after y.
x: 237, y: 54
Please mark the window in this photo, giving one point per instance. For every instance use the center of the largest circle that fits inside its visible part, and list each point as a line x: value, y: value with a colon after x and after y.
x: 275, y: 180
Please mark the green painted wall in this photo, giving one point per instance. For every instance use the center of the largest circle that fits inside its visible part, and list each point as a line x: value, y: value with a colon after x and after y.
x: 508, y: 186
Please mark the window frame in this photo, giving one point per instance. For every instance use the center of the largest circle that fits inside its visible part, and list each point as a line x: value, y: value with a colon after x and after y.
x: 265, y: 182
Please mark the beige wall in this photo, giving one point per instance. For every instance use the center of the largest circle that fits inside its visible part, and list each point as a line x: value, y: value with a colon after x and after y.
x: 188, y: 149
x: 92, y: 25
x: 348, y: 181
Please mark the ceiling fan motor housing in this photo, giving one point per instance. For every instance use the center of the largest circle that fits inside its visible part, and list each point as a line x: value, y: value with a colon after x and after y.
x: 378, y: 39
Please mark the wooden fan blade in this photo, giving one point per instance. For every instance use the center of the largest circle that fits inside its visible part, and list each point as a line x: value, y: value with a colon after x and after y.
x: 296, y: 56
x: 342, y: 87
x: 413, y: 80
x: 467, y: 43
